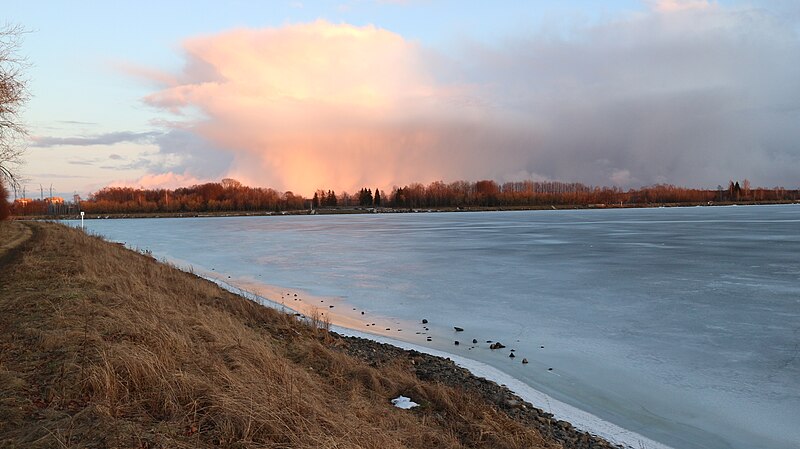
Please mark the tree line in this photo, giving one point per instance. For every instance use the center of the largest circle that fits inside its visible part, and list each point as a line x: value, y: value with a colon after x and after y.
x: 230, y: 195
x: 225, y: 196
x: 553, y: 193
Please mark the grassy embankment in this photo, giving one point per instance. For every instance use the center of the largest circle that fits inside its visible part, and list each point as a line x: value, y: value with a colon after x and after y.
x: 104, y: 347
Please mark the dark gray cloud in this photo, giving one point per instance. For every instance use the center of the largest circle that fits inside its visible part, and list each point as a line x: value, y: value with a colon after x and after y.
x: 692, y: 98
x: 188, y: 152
x: 140, y: 163
x: 179, y: 151
x: 100, y: 139
x: 81, y: 162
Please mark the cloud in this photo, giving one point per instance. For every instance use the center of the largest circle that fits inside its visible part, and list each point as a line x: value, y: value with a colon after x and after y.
x: 168, y: 180
x: 694, y: 98
x: 680, y: 5
x: 157, y: 78
x: 76, y: 122
x: 140, y: 163
x: 684, y: 93
x: 101, y: 139
x: 319, y: 105
x: 621, y: 177
x: 57, y: 176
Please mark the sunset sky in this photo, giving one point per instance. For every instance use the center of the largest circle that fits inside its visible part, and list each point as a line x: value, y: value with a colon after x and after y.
x: 300, y: 95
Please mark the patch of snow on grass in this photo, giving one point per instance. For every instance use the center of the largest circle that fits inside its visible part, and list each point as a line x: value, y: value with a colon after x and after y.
x: 404, y: 403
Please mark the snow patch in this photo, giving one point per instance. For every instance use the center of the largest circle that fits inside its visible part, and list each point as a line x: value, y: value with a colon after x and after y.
x: 404, y: 403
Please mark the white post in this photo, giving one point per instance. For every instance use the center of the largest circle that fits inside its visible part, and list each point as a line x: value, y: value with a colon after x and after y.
x: 82, y: 219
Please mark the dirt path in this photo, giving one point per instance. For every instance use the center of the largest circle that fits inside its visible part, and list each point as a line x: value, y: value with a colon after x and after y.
x: 13, y: 234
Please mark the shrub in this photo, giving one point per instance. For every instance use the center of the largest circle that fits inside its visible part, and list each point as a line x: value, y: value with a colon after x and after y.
x: 5, y: 209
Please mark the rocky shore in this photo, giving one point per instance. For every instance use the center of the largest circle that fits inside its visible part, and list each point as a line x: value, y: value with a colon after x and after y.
x: 444, y: 371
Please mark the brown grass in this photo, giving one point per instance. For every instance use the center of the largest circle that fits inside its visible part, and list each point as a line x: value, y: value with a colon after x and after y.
x: 104, y: 347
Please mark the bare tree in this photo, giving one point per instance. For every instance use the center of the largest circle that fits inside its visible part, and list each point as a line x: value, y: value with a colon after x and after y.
x: 13, y: 95
x: 231, y: 184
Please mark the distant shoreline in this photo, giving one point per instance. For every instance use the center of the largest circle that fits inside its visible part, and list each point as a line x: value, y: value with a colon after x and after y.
x: 388, y: 210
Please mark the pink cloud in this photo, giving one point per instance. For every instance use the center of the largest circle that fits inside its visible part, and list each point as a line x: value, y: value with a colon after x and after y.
x: 667, y: 6
x: 147, y: 74
x: 168, y: 180
x: 320, y: 105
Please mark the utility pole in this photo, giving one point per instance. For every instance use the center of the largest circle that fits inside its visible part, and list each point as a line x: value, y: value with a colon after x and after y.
x: 41, y: 192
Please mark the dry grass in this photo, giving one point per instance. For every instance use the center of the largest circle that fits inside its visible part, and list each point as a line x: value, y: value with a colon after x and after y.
x: 104, y: 347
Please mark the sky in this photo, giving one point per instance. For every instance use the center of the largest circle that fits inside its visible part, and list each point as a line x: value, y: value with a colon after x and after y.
x: 345, y: 94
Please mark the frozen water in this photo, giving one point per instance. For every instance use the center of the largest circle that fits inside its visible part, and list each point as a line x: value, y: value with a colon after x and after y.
x: 680, y: 324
